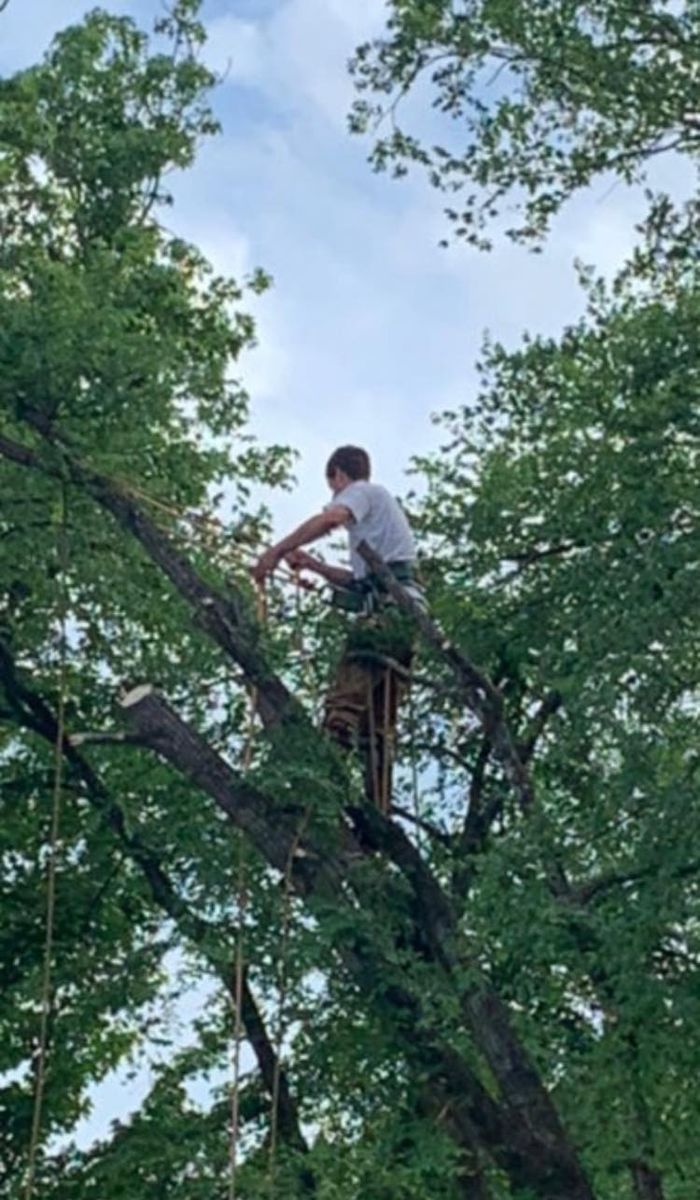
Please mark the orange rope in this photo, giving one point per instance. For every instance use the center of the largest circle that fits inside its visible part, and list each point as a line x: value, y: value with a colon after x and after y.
x: 282, y: 997
x: 240, y: 938
x: 387, y: 740
x: 53, y: 861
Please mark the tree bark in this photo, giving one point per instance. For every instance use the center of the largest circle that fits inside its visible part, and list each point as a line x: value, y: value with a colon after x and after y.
x: 31, y: 711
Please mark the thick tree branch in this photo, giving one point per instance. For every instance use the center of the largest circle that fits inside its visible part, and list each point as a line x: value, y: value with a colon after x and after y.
x: 224, y: 617
x: 549, y: 706
x: 272, y: 832
x: 476, y: 824
x: 32, y: 712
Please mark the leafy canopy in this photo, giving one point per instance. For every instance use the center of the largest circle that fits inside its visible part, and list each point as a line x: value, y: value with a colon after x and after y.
x: 542, y: 98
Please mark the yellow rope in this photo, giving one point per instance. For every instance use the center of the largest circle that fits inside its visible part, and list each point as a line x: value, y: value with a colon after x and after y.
x: 415, y: 782
x: 211, y: 526
x: 53, y: 857
x: 282, y: 996
x: 240, y: 939
x: 372, y: 730
x: 238, y: 1023
x: 387, y: 741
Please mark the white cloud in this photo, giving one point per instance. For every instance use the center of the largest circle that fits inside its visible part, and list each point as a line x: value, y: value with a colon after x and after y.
x: 236, y: 49
x: 300, y: 50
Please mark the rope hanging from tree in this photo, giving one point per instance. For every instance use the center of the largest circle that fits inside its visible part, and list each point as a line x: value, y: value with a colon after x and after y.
x: 238, y: 1022
x: 239, y: 966
x: 40, y: 1081
x: 282, y: 985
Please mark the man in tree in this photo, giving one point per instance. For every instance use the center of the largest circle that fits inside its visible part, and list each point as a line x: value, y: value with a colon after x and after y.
x: 362, y: 702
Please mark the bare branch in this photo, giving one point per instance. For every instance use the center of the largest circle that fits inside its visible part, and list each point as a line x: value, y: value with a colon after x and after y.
x: 438, y: 834
x: 256, y: 1033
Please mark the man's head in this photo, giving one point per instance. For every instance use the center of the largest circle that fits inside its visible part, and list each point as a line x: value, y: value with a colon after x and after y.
x: 345, y: 465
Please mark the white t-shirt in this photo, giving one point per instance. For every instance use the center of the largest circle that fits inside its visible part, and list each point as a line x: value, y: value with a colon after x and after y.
x: 379, y: 520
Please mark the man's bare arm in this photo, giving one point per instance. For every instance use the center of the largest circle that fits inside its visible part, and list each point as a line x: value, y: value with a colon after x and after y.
x: 299, y: 560
x: 309, y: 531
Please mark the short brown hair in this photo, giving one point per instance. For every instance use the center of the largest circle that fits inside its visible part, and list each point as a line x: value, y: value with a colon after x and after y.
x: 352, y: 460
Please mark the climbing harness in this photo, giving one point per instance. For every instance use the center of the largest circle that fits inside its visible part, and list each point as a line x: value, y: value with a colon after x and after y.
x: 62, y: 558
x: 368, y: 595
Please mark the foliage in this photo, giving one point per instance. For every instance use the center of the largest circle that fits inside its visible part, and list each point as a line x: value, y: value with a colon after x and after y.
x: 119, y: 333
x: 562, y: 521
x: 543, y: 98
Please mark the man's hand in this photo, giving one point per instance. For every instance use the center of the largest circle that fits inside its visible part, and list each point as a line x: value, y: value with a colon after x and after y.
x: 266, y: 564
x: 309, y: 531
x: 299, y: 560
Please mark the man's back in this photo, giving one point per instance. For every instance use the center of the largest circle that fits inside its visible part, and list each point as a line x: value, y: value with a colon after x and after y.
x: 379, y: 520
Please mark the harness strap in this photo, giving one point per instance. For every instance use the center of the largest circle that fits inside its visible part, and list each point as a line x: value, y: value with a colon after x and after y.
x: 364, y: 595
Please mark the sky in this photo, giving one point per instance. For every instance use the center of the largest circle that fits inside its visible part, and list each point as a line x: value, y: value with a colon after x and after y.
x: 370, y: 327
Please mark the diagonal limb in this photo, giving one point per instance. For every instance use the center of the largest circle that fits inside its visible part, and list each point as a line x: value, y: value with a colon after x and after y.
x: 31, y: 712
